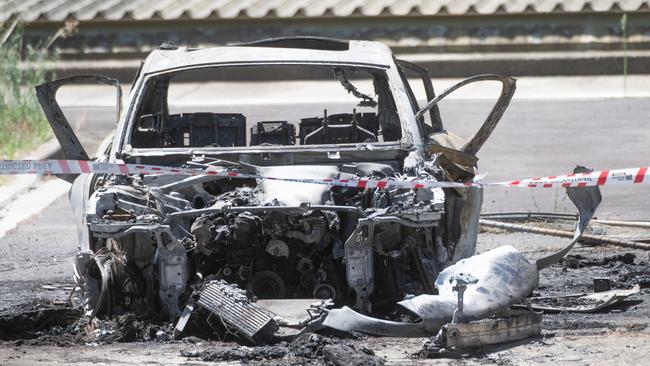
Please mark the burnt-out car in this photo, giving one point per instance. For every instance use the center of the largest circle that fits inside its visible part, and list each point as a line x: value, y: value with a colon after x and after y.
x: 147, y: 240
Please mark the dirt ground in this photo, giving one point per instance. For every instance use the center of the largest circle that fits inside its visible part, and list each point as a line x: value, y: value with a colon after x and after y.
x: 618, y: 335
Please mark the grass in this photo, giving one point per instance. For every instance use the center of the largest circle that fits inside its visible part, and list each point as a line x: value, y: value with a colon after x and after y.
x: 22, y: 123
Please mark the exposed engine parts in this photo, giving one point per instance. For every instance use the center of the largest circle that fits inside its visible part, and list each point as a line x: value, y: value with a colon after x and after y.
x: 274, y: 255
x: 162, y: 235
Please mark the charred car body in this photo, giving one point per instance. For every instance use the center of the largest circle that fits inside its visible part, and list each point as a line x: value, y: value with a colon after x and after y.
x: 147, y: 240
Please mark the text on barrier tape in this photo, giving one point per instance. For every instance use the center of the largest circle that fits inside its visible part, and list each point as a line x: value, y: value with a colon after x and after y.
x: 596, y: 178
x: 14, y: 167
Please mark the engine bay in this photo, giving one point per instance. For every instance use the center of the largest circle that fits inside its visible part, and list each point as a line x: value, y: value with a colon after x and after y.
x: 159, y: 236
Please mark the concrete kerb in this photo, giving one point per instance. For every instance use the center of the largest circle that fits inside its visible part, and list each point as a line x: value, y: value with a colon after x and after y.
x: 22, y: 183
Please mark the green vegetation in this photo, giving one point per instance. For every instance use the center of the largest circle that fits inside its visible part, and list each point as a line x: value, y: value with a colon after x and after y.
x: 22, y: 123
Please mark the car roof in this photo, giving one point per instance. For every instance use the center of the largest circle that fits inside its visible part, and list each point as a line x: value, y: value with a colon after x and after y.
x: 295, y: 50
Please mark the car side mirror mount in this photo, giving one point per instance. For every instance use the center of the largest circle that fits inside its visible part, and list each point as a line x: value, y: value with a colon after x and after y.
x: 149, y: 123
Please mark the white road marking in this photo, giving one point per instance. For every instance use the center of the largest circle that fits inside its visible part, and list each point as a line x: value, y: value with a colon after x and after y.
x: 31, y: 203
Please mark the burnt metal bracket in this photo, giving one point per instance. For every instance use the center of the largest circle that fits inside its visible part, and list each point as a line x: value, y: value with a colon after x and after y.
x: 462, y: 280
x: 359, y: 258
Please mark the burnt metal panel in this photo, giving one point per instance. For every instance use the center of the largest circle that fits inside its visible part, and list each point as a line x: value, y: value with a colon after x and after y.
x: 511, y: 327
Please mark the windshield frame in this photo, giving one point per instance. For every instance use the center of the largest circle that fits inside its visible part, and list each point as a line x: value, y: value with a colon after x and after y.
x: 395, y: 85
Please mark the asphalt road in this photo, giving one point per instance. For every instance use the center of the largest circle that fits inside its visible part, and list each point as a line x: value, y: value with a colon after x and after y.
x: 534, y: 138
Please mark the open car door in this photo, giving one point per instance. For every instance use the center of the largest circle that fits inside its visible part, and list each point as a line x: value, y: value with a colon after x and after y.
x: 46, y: 94
x: 457, y: 156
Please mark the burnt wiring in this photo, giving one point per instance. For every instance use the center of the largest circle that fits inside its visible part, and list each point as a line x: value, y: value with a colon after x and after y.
x: 366, y: 101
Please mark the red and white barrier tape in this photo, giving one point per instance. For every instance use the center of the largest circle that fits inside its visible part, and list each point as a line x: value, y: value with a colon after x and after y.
x: 14, y: 167
x: 595, y: 178
x: 604, y: 177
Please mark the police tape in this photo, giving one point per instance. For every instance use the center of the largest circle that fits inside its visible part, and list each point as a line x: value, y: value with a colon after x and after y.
x: 53, y: 167
x: 595, y: 178
x: 44, y: 167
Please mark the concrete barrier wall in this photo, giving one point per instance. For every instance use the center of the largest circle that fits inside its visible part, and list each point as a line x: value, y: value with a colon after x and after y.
x: 564, y: 43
